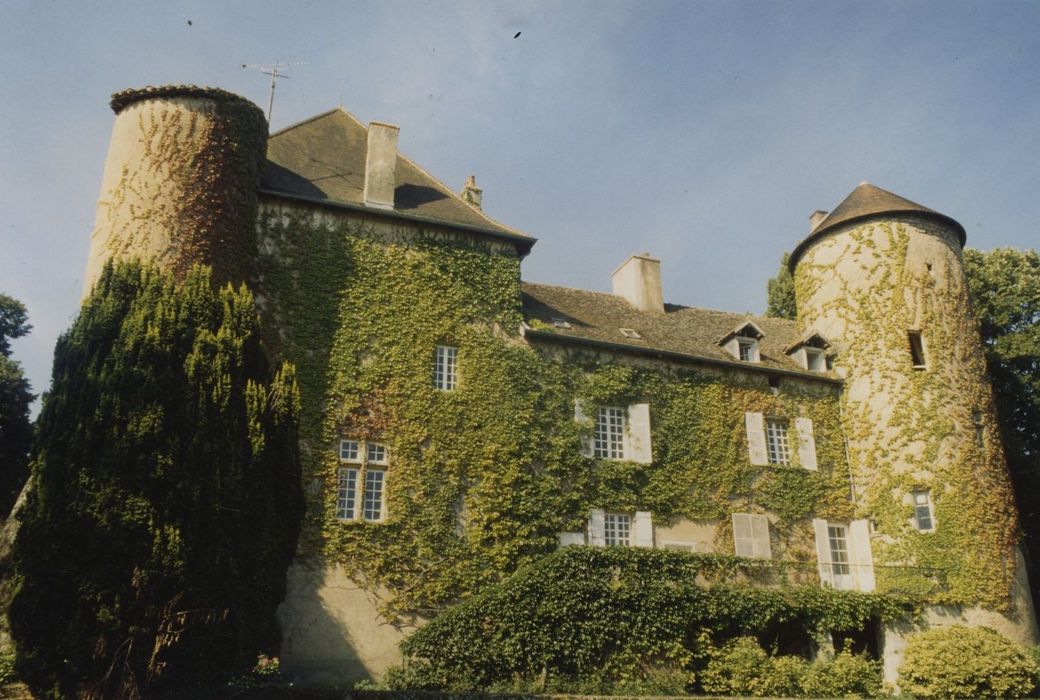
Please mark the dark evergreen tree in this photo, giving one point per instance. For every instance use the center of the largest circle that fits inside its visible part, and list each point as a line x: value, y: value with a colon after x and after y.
x: 15, y: 398
x: 780, y: 301
x: 166, y: 497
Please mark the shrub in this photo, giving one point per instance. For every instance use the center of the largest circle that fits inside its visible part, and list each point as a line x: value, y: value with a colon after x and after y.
x: 166, y: 493
x: 848, y: 675
x: 962, y: 661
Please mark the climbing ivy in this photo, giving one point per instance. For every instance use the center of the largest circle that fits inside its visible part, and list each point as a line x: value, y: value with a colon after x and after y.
x: 482, y: 479
x: 911, y: 428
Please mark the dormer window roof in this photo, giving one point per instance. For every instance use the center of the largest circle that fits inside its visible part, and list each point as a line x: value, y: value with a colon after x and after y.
x: 742, y: 342
x: 810, y: 351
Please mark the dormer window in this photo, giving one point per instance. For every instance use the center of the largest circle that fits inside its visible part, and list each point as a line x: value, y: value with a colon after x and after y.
x: 810, y: 351
x: 630, y: 333
x: 742, y: 342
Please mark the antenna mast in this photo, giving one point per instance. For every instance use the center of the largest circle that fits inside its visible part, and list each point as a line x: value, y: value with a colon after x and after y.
x: 275, y: 71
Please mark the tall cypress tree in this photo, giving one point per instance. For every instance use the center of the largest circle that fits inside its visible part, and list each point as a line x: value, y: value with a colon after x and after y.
x: 166, y: 496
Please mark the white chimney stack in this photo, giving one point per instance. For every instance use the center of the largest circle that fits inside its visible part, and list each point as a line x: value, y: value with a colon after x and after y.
x: 638, y: 280
x: 380, y: 165
x: 471, y: 194
x: 815, y: 218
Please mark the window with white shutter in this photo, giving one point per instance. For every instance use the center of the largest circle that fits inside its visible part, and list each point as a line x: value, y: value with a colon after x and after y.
x: 597, y: 525
x: 806, y: 443
x: 637, y: 435
x: 617, y: 433
x: 756, y: 437
x: 844, y: 555
x: 643, y: 529
x: 751, y: 535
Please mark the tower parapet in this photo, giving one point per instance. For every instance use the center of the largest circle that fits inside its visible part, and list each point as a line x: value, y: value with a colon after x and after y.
x: 180, y: 182
x: 882, y: 279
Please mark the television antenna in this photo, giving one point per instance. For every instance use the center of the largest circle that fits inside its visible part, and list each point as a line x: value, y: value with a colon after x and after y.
x: 275, y: 71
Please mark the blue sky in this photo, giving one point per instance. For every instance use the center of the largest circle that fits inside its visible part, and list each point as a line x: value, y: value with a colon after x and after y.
x: 702, y: 132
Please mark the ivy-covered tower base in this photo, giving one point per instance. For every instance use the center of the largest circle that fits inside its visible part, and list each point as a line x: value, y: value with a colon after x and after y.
x: 881, y: 278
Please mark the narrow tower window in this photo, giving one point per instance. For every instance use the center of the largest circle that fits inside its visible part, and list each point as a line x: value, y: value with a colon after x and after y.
x: 923, y: 511
x: 445, y: 372
x: 917, y: 349
x: 980, y: 428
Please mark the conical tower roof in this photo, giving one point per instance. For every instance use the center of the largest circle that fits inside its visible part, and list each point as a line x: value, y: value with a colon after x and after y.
x: 869, y: 201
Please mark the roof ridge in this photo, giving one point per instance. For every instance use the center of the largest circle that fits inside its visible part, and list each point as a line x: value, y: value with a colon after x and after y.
x: 310, y: 119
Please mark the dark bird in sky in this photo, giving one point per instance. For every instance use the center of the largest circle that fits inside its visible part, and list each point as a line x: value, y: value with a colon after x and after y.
x: 516, y: 35
x: 189, y: 22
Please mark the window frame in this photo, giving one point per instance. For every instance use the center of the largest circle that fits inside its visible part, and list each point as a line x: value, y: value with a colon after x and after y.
x: 928, y: 507
x: 609, y: 442
x: 751, y: 346
x: 446, y: 367
x: 778, y: 442
x: 918, y: 349
x: 611, y: 528
x: 359, y: 459
x: 841, y: 571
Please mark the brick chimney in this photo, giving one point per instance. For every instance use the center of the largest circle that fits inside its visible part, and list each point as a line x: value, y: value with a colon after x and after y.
x: 380, y: 165
x: 815, y: 218
x: 638, y: 280
x: 471, y: 194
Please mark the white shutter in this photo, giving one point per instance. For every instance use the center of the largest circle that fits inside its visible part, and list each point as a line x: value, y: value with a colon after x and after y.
x: 860, y: 555
x: 756, y: 437
x: 806, y: 443
x: 567, y: 538
x: 823, y: 551
x: 742, y: 535
x: 760, y: 537
x: 643, y: 529
x: 583, y: 420
x: 637, y: 434
x: 596, y: 527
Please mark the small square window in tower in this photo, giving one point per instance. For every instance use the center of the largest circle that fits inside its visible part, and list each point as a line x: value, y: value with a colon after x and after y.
x: 778, y: 448
x: 917, y: 354
x: 609, y: 439
x: 445, y: 368
x: 923, y: 519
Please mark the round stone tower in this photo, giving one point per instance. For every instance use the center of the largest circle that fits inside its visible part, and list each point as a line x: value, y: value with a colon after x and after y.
x: 180, y: 182
x: 882, y: 279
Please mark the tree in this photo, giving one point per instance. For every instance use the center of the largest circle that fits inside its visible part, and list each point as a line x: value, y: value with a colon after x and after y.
x: 166, y: 497
x: 15, y: 398
x: 780, y: 302
x: 1005, y: 291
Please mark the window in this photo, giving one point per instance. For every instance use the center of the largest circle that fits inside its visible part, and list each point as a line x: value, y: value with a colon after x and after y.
x: 445, y: 368
x: 980, y: 428
x: 839, y: 544
x: 747, y: 350
x: 815, y: 360
x: 630, y: 333
x: 751, y: 536
x: 609, y: 439
x: 923, y: 519
x: 348, y: 484
x: 917, y: 355
x: 778, y: 448
x: 617, y: 529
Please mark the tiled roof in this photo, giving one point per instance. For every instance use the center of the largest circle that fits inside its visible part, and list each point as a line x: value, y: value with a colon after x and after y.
x: 867, y: 201
x: 597, y: 318
x: 323, y: 159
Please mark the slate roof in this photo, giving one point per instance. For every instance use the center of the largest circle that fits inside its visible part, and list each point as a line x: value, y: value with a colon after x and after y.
x: 867, y: 201
x: 322, y: 159
x: 680, y: 332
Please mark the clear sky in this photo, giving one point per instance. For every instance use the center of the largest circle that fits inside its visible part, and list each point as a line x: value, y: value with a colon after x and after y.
x: 702, y: 132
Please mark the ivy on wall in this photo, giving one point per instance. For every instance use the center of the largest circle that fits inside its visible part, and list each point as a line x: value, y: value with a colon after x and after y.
x: 922, y: 436
x: 482, y: 479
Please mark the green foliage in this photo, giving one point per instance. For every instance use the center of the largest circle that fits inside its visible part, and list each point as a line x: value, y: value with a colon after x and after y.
x: 596, y: 617
x: 780, y: 302
x: 965, y: 662
x: 7, y: 674
x: 1005, y: 292
x: 166, y: 495
x: 15, y: 399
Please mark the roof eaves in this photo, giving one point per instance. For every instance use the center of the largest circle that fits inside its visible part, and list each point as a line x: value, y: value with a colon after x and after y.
x: 523, y: 242
x: 673, y: 355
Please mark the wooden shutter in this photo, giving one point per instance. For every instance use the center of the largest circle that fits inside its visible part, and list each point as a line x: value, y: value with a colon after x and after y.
x: 823, y: 551
x: 596, y: 527
x: 643, y: 529
x: 760, y: 537
x: 860, y: 555
x: 756, y: 437
x: 583, y: 421
x: 742, y: 535
x: 567, y: 538
x: 637, y: 434
x: 806, y: 443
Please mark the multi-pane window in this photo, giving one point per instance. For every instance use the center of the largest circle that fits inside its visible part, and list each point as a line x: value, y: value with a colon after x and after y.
x: 445, y: 368
x: 839, y: 543
x: 374, y: 494
x: 351, y: 487
x: 923, y: 511
x: 778, y: 448
x: 609, y: 439
x: 746, y: 350
x: 617, y: 529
